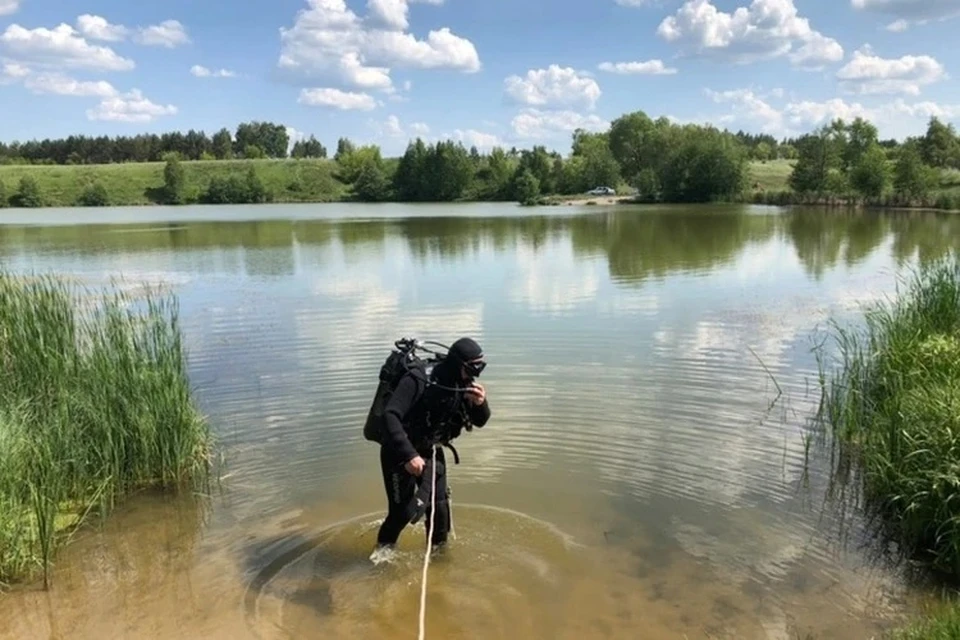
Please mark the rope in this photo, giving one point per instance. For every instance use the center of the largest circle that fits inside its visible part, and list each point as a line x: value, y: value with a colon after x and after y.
x: 426, y: 558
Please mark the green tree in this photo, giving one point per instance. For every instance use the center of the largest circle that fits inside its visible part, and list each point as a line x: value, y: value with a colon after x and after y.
x: 372, y: 184
x: 539, y: 162
x: 493, y: 179
x: 222, y: 144
x: 94, y: 195
x: 344, y: 148
x: 817, y: 156
x: 3, y: 194
x: 449, y: 170
x: 763, y: 152
x: 860, y: 137
x: 410, y: 179
x: 939, y: 147
x: 256, y: 192
x: 912, y: 178
x: 28, y: 195
x: 253, y: 152
x: 706, y: 164
x: 352, y: 163
x: 871, y: 175
x: 526, y: 188
x: 174, y: 181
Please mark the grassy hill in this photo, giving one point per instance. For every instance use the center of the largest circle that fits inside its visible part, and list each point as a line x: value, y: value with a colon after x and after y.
x: 139, y: 183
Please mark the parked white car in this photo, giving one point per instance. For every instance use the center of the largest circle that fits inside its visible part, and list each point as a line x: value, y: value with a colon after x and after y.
x: 602, y: 191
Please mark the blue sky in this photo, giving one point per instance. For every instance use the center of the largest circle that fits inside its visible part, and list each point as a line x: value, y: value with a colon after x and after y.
x: 511, y: 72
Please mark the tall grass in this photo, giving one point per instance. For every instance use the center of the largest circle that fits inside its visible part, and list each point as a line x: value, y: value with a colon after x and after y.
x: 894, y: 404
x: 94, y: 405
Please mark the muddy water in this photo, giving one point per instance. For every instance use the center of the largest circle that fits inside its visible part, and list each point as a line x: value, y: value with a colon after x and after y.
x: 642, y: 475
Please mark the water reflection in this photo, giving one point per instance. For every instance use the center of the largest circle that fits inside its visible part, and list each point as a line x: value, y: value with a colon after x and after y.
x: 634, y: 356
x: 637, y: 243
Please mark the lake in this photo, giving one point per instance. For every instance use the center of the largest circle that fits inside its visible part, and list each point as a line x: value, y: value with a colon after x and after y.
x: 649, y: 470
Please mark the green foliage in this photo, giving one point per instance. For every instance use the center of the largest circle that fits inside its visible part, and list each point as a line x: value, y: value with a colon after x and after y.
x: 174, y: 181
x: 372, y: 184
x: 222, y: 144
x: 526, y: 188
x: 894, y: 405
x: 95, y: 195
x: 940, y: 147
x: 353, y: 159
x: 762, y: 152
x: 941, y: 622
x: 309, y: 149
x: 253, y: 152
x: 236, y: 190
x: 95, y: 404
x: 704, y: 164
x: 344, y: 148
x: 871, y: 173
x: 440, y: 172
x: 28, y: 193
x: 597, y: 167
x: 912, y: 178
x: 3, y: 194
x: 272, y: 139
x: 817, y: 157
x: 857, y: 139
x: 494, y: 175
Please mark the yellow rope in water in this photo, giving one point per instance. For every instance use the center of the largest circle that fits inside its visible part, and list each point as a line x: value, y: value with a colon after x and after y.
x: 426, y: 558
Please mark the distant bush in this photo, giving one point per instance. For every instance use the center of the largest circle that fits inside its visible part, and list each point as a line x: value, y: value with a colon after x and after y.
x: 95, y: 195
x: 28, y: 195
x: 235, y: 190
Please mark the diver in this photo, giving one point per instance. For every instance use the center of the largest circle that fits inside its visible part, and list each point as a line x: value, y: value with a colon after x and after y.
x: 418, y: 418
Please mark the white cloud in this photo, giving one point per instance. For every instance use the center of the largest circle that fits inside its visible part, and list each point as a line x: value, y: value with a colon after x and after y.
x: 650, y: 67
x: 9, y: 6
x: 420, y: 129
x: 61, y: 46
x: 910, y: 12
x: 870, y: 74
x: 203, y: 72
x: 392, y: 127
x: 97, y: 28
x: 745, y: 103
x: 535, y: 123
x: 59, y: 84
x: 343, y: 100
x: 13, y: 72
x: 129, y: 107
x: 554, y: 86
x: 330, y: 41
x: 169, y: 33
x: 755, y: 112
x: 478, y: 139
x: 766, y: 29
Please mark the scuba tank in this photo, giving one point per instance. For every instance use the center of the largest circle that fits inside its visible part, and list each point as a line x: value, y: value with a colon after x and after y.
x: 402, y: 359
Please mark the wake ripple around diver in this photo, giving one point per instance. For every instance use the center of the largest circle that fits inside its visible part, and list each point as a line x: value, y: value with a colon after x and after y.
x: 357, y: 561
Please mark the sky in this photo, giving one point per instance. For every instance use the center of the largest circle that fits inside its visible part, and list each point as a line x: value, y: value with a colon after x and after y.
x: 496, y: 72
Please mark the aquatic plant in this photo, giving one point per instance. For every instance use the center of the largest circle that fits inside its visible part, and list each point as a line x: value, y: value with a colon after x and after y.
x: 95, y: 404
x: 894, y: 407
x: 939, y: 623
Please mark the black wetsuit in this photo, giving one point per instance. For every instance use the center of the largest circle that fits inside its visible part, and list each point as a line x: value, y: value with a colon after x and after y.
x: 417, y: 419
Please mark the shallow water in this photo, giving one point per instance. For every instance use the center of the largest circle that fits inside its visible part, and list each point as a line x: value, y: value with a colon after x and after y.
x: 641, y: 475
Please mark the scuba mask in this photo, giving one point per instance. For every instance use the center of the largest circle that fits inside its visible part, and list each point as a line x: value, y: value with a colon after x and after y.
x: 474, y: 369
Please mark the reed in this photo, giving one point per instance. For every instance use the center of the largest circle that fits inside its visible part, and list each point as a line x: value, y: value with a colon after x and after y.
x: 938, y: 623
x: 95, y: 404
x: 894, y: 405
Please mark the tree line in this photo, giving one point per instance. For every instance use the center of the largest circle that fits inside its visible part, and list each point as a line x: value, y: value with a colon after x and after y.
x: 251, y: 140
x: 847, y: 160
x: 655, y: 160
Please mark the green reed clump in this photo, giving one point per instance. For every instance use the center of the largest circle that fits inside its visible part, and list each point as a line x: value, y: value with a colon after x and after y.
x: 95, y: 404
x: 940, y: 623
x: 895, y: 405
